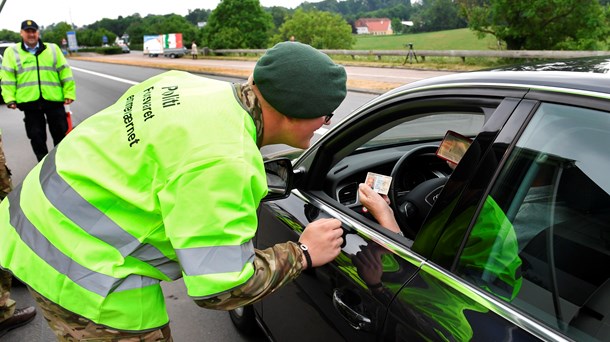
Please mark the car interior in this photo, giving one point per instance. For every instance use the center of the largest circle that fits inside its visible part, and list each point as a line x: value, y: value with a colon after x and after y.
x: 406, y: 151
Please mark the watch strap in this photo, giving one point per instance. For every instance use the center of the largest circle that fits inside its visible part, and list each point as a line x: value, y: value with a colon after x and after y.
x: 305, y: 251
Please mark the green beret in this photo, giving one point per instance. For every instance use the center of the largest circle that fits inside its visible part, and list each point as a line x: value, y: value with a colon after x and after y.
x: 300, y: 81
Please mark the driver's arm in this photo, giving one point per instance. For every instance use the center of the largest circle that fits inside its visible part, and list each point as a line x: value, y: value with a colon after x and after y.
x: 379, y: 207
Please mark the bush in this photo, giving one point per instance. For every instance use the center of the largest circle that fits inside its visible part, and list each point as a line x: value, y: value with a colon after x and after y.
x: 107, y: 50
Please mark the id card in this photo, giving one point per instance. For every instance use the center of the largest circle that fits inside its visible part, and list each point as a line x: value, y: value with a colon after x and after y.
x: 379, y: 183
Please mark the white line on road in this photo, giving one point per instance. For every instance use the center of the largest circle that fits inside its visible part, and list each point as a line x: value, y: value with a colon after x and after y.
x: 105, y: 76
x: 384, y: 76
x: 321, y: 131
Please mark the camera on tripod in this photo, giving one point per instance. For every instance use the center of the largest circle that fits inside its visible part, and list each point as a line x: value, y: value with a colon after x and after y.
x: 410, y: 54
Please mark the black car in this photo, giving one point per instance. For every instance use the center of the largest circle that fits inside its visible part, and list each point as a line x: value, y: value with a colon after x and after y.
x: 506, y: 226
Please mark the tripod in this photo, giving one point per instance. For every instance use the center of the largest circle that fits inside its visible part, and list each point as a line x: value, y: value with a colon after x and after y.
x: 411, y: 55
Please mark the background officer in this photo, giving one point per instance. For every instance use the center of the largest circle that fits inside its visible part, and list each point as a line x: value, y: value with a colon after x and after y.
x: 37, y: 79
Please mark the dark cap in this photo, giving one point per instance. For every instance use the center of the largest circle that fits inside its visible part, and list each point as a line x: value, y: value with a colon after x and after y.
x: 299, y: 81
x: 29, y: 24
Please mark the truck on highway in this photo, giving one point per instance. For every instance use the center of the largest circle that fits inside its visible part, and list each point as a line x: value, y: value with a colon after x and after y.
x: 168, y: 45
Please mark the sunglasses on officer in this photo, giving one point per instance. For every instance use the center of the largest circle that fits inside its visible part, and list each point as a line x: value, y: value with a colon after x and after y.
x: 327, y: 118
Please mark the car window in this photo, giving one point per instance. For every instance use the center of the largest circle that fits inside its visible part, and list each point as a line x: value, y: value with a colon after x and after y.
x: 429, y: 127
x: 542, y: 238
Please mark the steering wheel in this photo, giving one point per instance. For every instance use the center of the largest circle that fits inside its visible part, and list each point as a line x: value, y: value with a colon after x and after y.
x: 411, y: 206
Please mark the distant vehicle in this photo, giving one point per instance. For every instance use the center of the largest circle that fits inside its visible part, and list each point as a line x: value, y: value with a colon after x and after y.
x: 3, y: 46
x: 168, y: 45
x: 174, y: 53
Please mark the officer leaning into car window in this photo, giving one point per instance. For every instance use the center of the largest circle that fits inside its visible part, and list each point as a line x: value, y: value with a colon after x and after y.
x: 165, y: 184
x: 37, y: 79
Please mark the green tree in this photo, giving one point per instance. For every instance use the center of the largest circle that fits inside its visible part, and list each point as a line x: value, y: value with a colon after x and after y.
x: 198, y: 15
x: 56, y: 32
x: 89, y: 37
x: 322, y: 30
x: 437, y: 15
x: 540, y: 24
x: 279, y: 15
x: 9, y: 36
x: 236, y: 24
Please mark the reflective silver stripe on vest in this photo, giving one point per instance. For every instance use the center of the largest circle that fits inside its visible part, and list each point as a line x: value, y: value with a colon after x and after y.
x: 95, y: 282
x: 28, y: 69
x: 47, y: 68
x: 54, y: 54
x: 217, y: 259
x: 97, y: 224
x: 26, y: 84
x: 17, y: 59
x: 52, y: 84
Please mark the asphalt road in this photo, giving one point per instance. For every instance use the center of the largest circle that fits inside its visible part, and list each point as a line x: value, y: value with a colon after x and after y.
x: 359, y: 78
x: 99, y: 85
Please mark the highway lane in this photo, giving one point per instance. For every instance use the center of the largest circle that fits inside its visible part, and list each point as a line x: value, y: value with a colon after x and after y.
x: 359, y: 77
x: 98, y: 86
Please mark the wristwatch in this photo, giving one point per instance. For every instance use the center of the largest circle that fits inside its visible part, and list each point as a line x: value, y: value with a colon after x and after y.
x: 305, y: 250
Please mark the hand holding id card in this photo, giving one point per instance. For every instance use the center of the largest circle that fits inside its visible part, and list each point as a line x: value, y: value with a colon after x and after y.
x: 379, y: 183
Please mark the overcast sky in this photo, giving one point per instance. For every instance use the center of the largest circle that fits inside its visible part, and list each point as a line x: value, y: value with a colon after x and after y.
x: 83, y: 12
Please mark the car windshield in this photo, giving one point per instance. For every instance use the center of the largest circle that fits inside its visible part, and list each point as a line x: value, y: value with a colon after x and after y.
x: 428, y: 128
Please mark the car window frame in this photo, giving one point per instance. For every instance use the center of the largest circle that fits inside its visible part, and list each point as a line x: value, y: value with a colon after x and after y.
x: 330, y: 150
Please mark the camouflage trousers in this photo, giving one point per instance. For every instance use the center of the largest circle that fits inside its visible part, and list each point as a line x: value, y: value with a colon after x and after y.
x: 5, y: 174
x: 68, y: 326
x: 7, y: 305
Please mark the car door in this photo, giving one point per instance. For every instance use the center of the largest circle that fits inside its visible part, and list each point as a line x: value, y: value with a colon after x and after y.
x: 349, y: 298
x: 524, y: 262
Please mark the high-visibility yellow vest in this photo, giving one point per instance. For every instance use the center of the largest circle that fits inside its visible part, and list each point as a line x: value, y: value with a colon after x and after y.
x: 164, y: 183
x: 27, y: 77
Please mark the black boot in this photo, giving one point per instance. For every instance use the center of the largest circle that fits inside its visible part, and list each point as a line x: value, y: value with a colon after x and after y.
x: 20, y: 317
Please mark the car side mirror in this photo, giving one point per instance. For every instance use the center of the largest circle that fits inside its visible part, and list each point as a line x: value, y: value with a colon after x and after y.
x: 279, y: 178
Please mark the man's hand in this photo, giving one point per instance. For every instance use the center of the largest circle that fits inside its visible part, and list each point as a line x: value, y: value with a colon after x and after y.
x: 323, y: 238
x: 68, y: 101
x: 378, y: 206
x: 11, y: 105
x: 368, y: 263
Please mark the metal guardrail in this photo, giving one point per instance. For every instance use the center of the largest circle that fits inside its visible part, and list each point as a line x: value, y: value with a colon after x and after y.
x: 544, y: 54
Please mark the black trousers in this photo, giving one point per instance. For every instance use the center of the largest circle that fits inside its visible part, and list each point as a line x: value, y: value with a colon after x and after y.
x: 36, y: 120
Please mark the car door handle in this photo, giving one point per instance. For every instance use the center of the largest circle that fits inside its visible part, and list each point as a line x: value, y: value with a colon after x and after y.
x: 353, y: 318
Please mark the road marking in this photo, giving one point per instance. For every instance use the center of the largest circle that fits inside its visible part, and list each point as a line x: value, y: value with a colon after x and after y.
x: 321, y: 131
x: 377, y: 77
x: 105, y: 76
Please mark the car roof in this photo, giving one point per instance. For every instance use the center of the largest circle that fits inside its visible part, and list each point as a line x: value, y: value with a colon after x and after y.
x: 566, y: 81
x: 595, y: 64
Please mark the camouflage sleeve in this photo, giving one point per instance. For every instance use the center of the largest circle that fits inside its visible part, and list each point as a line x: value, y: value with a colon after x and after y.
x: 5, y: 174
x: 273, y: 267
